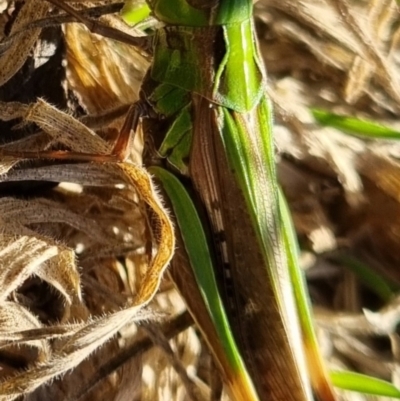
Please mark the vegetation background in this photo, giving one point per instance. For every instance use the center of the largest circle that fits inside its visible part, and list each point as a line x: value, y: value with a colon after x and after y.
x: 74, y: 248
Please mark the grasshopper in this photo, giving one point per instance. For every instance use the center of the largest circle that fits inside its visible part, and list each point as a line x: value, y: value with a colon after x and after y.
x: 207, y: 81
x: 208, y: 132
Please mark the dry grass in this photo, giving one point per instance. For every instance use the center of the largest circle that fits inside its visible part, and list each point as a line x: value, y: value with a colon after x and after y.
x: 75, y: 257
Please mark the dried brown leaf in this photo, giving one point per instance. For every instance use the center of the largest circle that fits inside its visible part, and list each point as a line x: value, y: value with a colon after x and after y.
x: 18, y: 52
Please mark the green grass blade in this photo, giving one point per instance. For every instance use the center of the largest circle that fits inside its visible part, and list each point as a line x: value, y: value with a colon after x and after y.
x: 364, y: 384
x: 370, y: 278
x: 355, y: 126
x: 319, y: 376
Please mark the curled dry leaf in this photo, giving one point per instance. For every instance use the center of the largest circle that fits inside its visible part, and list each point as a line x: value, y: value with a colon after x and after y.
x: 102, y: 85
x: 16, y: 55
x: 14, y: 317
x: 73, y: 349
x: 75, y: 343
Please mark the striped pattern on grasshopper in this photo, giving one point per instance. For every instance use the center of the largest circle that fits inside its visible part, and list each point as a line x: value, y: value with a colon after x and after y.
x: 211, y: 127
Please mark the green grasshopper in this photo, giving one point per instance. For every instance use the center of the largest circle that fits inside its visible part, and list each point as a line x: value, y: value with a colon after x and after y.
x: 213, y: 125
x: 208, y: 131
